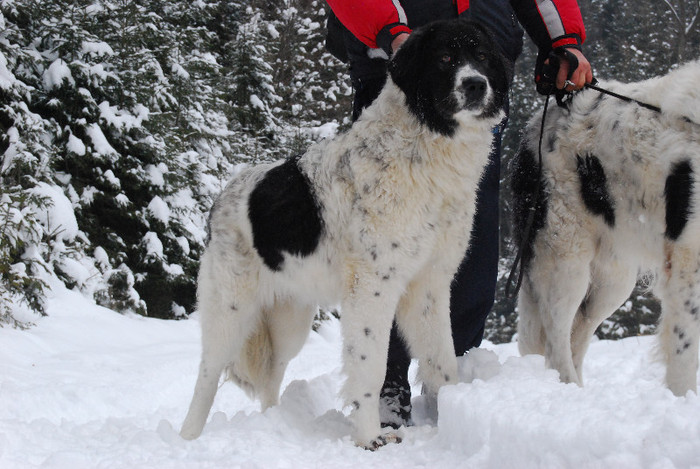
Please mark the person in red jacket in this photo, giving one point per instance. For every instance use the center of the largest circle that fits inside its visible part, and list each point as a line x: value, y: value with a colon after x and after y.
x: 365, y: 33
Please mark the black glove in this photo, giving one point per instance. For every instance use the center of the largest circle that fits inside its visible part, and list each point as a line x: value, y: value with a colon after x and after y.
x: 546, y: 73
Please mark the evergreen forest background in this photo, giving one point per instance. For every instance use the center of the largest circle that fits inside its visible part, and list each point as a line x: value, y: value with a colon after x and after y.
x: 120, y: 121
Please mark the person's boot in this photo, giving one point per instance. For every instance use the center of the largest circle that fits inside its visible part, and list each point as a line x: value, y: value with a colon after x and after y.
x: 395, y: 405
x: 395, y: 397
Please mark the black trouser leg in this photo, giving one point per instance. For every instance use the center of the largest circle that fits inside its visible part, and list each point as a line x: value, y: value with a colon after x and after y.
x: 474, y: 286
x: 395, y: 397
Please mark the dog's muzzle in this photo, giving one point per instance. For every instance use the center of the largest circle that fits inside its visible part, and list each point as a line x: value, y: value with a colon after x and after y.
x: 474, y: 90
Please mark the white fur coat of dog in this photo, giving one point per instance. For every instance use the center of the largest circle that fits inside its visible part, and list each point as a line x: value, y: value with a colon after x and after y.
x: 376, y: 220
x: 619, y: 197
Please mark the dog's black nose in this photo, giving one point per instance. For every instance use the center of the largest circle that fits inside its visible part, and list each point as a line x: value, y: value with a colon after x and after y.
x: 474, y: 89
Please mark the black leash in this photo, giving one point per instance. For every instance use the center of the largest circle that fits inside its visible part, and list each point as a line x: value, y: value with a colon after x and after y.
x: 657, y: 109
x: 593, y: 86
x: 545, y: 86
x: 517, y: 263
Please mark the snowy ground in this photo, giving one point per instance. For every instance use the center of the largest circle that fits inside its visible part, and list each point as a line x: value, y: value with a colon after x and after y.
x: 88, y: 388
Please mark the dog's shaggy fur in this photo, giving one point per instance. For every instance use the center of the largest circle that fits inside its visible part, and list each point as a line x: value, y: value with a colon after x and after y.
x: 619, y: 196
x: 377, y: 220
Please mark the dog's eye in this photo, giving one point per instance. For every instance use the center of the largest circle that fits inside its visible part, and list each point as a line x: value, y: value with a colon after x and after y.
x: 480, y: 56
x: 446, y: 59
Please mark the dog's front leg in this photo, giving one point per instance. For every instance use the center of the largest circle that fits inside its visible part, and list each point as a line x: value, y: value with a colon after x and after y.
x: 366, y: 318
x: 423, y: 317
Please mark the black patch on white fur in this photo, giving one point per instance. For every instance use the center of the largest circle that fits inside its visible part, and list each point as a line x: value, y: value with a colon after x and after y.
x: 594, y: 188
x: 678, y: 193
x: 284, y: 214
x: 425, y: 67
x: 524, y: 184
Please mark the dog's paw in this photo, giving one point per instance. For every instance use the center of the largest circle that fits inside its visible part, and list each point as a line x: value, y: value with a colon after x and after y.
x: 382, y: 440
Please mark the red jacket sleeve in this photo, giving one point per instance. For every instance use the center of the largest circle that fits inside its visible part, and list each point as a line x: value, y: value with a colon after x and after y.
x: 374, y: 22
x: 551, y: 23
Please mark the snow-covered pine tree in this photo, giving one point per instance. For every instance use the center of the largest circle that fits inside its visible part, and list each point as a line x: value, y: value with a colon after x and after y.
x: 130, y: 188
x: 100, y: 148
x: 24, y: 156
x: 250, y: 90
x: 168, y: 68
x: 313, y: 86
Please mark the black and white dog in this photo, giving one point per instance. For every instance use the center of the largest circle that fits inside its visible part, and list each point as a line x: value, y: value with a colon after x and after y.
x: 376, y: 220
x: 619, y: 196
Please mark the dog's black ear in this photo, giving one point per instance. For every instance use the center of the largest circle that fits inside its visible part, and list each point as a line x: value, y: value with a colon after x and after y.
x: 404, y: 66
x: 501, y: 61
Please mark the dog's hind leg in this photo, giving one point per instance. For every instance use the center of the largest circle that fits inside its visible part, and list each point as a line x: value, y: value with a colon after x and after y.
x: 220, y: 346
x: 559, y: 287
x: 680, y: 321
x: 611, y: 283
x: 531, y: 334
x: 228, y: 317
x: 288, y: 324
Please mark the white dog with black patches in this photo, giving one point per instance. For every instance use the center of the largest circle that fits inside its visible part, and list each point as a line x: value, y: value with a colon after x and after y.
x: 619, y: 196
x: 377, y: 220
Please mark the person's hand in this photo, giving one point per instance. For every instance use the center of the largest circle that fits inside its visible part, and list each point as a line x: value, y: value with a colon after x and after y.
x: 581, y: 76
x: 398, y: 40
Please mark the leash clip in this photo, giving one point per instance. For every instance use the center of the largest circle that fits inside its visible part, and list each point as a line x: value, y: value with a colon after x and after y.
x: 546, y: 80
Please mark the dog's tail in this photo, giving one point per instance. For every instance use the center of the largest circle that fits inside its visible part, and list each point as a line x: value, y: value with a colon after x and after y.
x: 251, y: 371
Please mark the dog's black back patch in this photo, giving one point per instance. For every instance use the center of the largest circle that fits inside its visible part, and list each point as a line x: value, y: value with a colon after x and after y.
x: 678, y: 193
x: 526, y: 198
x: 594, y: 188
x: 284, y: 214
